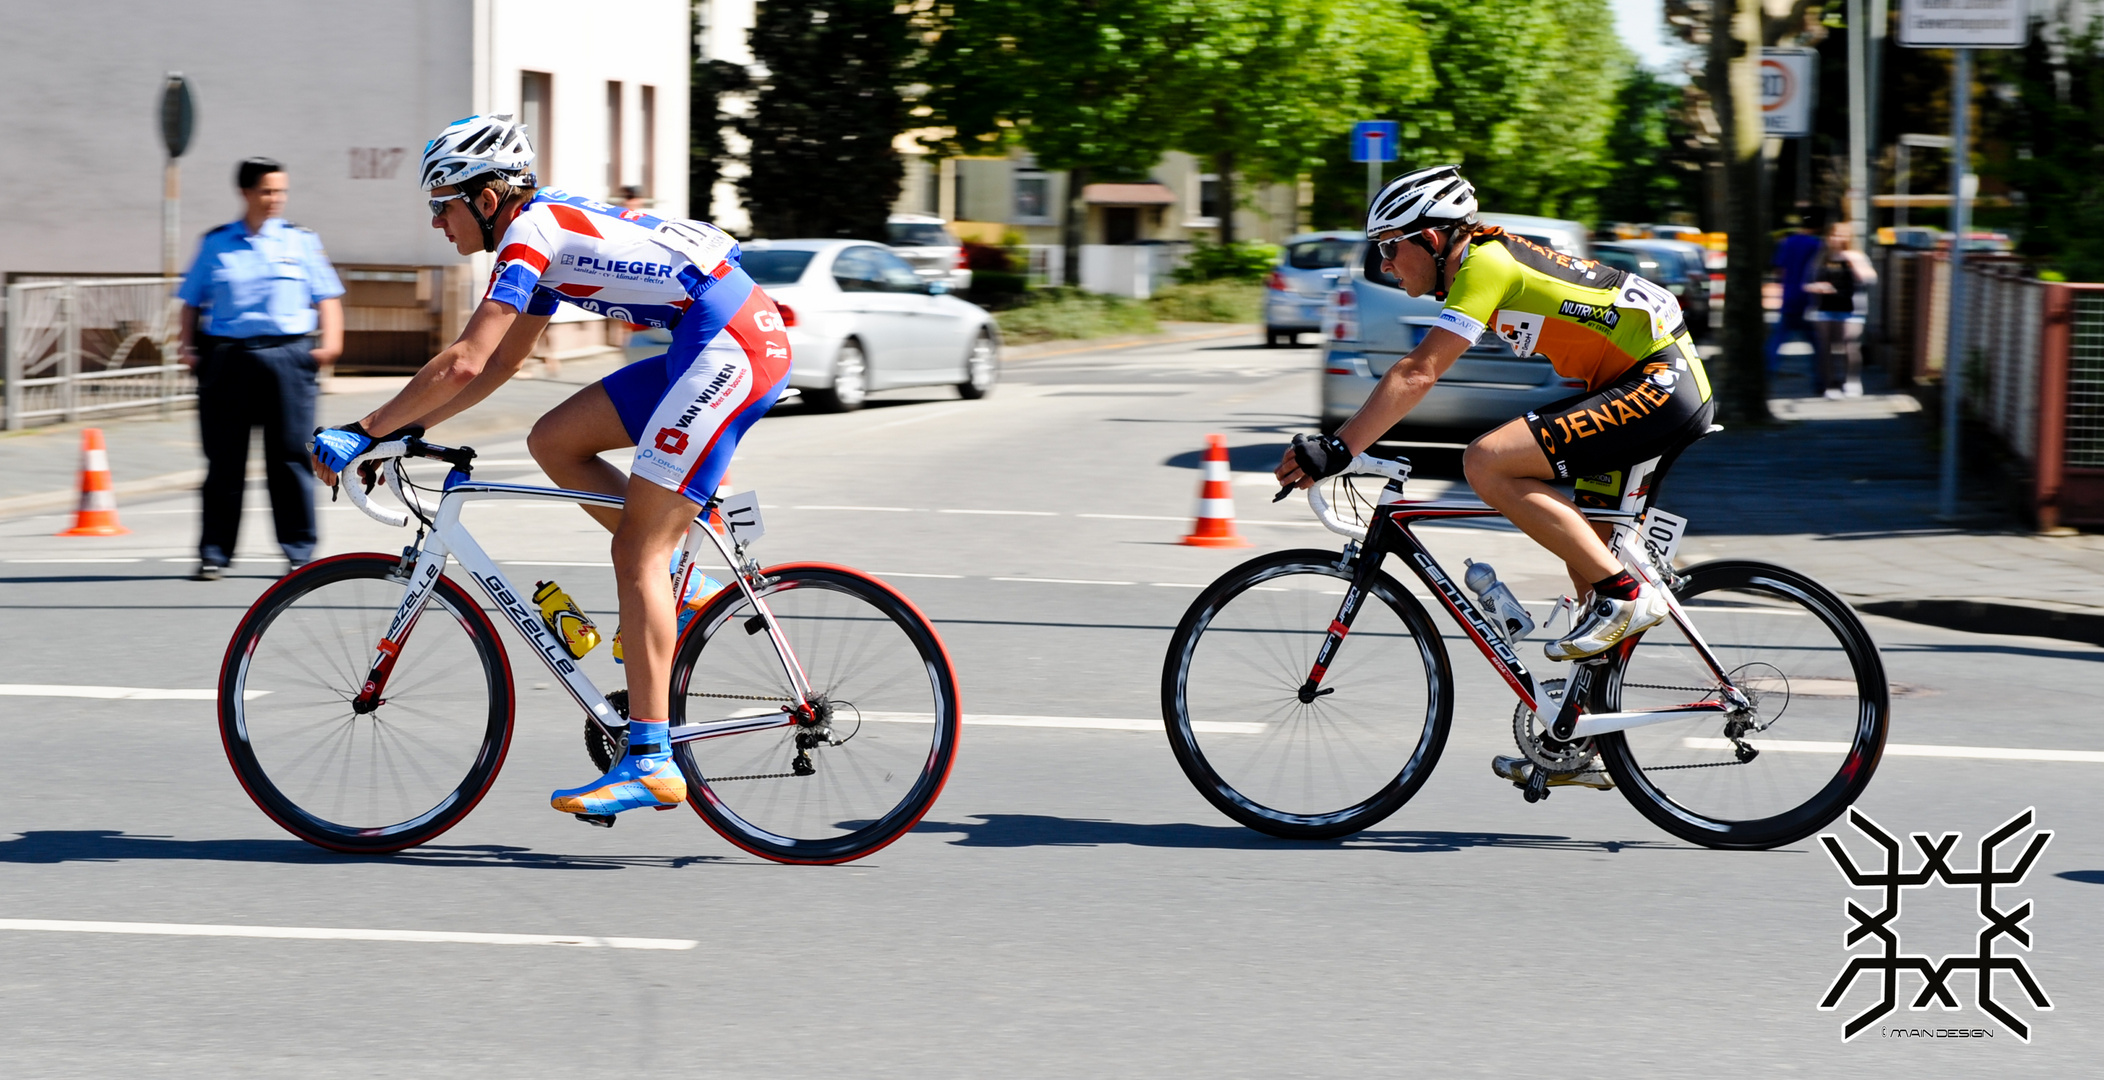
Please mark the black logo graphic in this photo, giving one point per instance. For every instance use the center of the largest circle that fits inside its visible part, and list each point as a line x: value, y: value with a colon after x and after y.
x: 1935, y: 867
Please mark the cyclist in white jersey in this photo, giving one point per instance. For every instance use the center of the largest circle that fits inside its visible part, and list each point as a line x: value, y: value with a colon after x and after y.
x: 683, y: 412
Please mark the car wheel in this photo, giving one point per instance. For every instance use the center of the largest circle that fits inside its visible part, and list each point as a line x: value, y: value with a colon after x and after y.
x: 981, y: 369
x: 850, y: 380
x: 1271, y: 336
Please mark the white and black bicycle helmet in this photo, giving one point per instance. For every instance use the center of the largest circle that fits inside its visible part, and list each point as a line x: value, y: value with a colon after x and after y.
x: 1429, y: 198
x: 474, y: 150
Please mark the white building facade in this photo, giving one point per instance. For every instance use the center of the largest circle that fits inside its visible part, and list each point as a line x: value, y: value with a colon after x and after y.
x: 345, y: 95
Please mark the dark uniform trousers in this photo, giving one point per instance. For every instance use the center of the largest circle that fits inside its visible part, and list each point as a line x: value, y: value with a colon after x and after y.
x: 243, y: 382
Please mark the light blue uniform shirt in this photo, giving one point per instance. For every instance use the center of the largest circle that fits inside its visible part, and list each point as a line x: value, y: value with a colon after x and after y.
x: 266, y: 283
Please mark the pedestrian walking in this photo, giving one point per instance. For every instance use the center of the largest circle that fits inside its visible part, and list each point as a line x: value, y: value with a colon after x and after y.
x: 1840, y: 290
x: 259, y: 292
x: 1797, y: 252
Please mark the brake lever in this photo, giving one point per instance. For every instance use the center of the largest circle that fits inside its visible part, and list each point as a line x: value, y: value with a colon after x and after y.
x: 1282, y: 493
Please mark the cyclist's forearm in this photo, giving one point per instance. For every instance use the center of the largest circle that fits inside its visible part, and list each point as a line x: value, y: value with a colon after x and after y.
x: 1392, y: 398
x: 494, y: 374
x: 442, y: 380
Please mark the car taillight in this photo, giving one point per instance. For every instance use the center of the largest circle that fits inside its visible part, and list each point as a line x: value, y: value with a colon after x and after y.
x: 1275, y: 281
x: 962, y: 262
x: 788, y: 313
x: 1340, y: 317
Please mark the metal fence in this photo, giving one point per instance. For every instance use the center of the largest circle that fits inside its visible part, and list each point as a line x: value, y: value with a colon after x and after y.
x: 2034, y: 375
x: 76, y: 348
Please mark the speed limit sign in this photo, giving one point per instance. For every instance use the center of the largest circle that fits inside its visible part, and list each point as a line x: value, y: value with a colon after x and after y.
x: 1788, y: 82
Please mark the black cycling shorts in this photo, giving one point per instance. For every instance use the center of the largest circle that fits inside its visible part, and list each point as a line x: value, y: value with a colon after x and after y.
x: 1656, y: 408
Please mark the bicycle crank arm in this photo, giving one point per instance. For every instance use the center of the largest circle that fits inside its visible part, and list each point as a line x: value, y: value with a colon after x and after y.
x: 1602, y: 723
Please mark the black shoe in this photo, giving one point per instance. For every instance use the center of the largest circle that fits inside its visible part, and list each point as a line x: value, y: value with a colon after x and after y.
x: 208, y: 572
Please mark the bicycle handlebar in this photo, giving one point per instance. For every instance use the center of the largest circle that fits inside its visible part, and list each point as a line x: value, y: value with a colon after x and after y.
x: 388, y: 457
x: 1397, y: 469
x: 349, y: 480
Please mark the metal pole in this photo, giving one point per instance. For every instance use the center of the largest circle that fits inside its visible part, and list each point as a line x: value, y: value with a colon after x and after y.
x: 1858, y: 127
x: 69, y: 352
x: 171, y: 215
x: 1954, y: 337
x: 1373, y: 179
x: 1899, y: 175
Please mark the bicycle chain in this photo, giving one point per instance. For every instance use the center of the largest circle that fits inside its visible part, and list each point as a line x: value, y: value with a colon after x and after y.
x: 755, y: 776
x: 737, y: 697
x: 1699, y: 764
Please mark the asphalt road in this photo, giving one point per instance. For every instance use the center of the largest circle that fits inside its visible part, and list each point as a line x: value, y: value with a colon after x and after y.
x: 1070, y: 908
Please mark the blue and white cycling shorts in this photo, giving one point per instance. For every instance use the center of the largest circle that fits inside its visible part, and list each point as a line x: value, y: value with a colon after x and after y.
x: 686, y: 410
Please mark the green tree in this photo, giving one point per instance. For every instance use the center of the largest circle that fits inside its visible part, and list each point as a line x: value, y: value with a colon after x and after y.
x: 1270, y: 88
x: 706, y: 151
x: 1647, y: 150
x: 2048, y: 140
x: 822, y: 124
x: 1087, y: 85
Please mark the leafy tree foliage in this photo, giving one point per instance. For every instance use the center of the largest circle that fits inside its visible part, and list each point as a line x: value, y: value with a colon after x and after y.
x: 1647, y: 147
x: 823, y: 122
x: 2046, y: 140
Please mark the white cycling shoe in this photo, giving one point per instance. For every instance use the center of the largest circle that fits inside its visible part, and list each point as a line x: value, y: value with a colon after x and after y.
x: 1607, y: 622
x: 1519, y: 770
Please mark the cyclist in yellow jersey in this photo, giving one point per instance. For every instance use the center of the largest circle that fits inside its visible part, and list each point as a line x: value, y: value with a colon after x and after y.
x: 1646, y: 393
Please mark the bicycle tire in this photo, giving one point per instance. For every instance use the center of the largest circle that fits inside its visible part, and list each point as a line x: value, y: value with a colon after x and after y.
x: 1304, y: 770
x: 313, y: 764
x: 1820, y: 698
x: 873, y: 659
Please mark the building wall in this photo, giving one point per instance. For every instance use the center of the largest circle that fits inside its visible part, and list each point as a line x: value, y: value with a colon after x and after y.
x: 344, y: 94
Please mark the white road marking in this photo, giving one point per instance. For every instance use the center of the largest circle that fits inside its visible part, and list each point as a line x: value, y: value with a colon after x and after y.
x: 510, y: 562
x: 1016, y: 513
x: 44, y: 562
x: 1175, y: 585
x: 320, y: 933
x: 1132, y: 517
x: 1987, y: 753
x: 902, y: 573
x: 117, y: 693
x: 1082, y: 723
x: 1061, y: 581
x: 873, y: 509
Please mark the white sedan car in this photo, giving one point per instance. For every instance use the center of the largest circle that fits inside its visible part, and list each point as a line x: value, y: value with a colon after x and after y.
x: 860, y: 319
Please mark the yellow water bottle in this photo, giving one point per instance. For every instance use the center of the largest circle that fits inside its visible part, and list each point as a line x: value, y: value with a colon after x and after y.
x: 564, y: 620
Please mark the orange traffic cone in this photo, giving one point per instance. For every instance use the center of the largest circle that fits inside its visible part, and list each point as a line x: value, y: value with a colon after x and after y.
x: 98, y: 504
x: 1216, y: 501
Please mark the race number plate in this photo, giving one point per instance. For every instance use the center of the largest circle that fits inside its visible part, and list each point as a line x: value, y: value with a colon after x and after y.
x: 742, y: 513
x: 1662, y: 532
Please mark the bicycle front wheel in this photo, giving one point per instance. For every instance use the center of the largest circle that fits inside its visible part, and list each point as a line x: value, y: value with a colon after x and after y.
x: 876, y: 754
x: 392, y: 776
x: 1811, y: 741
x: 1335, y: 762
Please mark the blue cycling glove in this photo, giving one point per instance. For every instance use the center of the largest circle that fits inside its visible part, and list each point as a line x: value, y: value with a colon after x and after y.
x: 335, y: 447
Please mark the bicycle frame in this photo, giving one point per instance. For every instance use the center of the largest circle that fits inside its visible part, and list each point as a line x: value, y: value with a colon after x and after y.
x: 1390, y: 532
x: 448, y: 538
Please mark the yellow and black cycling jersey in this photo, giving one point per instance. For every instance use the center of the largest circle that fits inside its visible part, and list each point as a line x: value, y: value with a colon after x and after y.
x: 1592, y: 321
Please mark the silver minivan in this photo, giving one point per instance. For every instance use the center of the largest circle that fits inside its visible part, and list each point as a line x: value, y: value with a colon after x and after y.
x: 1371, y: 322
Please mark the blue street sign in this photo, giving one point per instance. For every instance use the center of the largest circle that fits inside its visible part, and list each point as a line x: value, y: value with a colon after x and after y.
x: 1375, y: 140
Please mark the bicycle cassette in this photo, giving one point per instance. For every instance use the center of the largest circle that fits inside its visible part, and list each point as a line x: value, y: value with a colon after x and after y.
x: 1551, y: 755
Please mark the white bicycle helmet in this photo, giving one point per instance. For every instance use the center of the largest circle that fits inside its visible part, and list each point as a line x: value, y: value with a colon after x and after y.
x: 1430, y: 198
x: 485, y: 147
x: 477, y: 146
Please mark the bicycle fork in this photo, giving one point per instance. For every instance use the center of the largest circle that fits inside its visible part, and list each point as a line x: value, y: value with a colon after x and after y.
x: 422, y: 579
x: 1340, y: 626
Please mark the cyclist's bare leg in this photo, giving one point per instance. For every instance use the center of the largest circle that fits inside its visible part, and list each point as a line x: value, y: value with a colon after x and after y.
x: 567, y: 443
x: 651, y: 526
x: 1507, y: 468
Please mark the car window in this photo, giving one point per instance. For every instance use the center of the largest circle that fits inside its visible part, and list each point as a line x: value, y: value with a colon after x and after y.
x: 917, y: 234
x: 1319, y: 254
x: 897, y: 273
x: 1670, y: 268
x: 1625, y: 261
x: 856, y: 270
x: 775, y: 267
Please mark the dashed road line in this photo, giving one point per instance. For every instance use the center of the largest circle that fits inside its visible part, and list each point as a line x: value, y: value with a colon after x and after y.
x: 1984, y: 753
x: 325, y: 933
x: 1061, y: 581
x: 116, y: 693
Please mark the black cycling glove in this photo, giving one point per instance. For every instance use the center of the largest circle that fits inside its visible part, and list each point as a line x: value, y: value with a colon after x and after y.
x: 1322, y: 456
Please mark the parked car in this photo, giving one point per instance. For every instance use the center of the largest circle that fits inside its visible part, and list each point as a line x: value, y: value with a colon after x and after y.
x: 1308, y: 267
x: 927, y: 244
x: 1569, y: 237
x: 1371, y: 322
x: 1670, y: 264
x: 860, y: 319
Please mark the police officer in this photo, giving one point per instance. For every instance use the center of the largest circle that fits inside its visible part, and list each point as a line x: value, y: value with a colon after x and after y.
x: 252, y: 302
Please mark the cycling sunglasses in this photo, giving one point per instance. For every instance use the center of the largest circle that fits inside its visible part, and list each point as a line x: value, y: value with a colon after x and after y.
x: 438, y: 205
x: 1387, y: 247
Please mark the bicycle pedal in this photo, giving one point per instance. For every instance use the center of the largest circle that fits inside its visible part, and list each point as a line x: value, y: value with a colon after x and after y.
x: 604, y: 821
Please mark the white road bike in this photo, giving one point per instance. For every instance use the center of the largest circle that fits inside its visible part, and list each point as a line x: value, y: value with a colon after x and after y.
x: 366, y: 701
x: 1307, y: 694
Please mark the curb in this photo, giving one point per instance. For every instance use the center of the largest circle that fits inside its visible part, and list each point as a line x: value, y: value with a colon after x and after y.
x: 1069, y: 346
x: 1991, y: 617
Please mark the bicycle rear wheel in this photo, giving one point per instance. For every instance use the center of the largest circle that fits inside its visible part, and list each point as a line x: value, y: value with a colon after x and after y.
x: 874, y: 761
x: 1315, y: 769
x: 376, y: 781
x: 1817, y: 728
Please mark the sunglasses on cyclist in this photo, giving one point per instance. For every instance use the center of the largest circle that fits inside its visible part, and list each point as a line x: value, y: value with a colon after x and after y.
x: 438, y: 205
x: 1387, y: 247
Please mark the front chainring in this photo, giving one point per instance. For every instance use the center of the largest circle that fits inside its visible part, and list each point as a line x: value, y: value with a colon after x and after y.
x: 1548, y: 754
x: 605, y: 753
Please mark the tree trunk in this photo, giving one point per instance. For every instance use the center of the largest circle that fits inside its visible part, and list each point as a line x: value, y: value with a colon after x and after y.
x: 1224, y: 167
x: 1733, y: 74
x: 1070, y: 229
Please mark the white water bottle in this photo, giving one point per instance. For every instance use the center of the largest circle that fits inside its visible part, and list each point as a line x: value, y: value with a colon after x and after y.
x: 1505, y: 611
